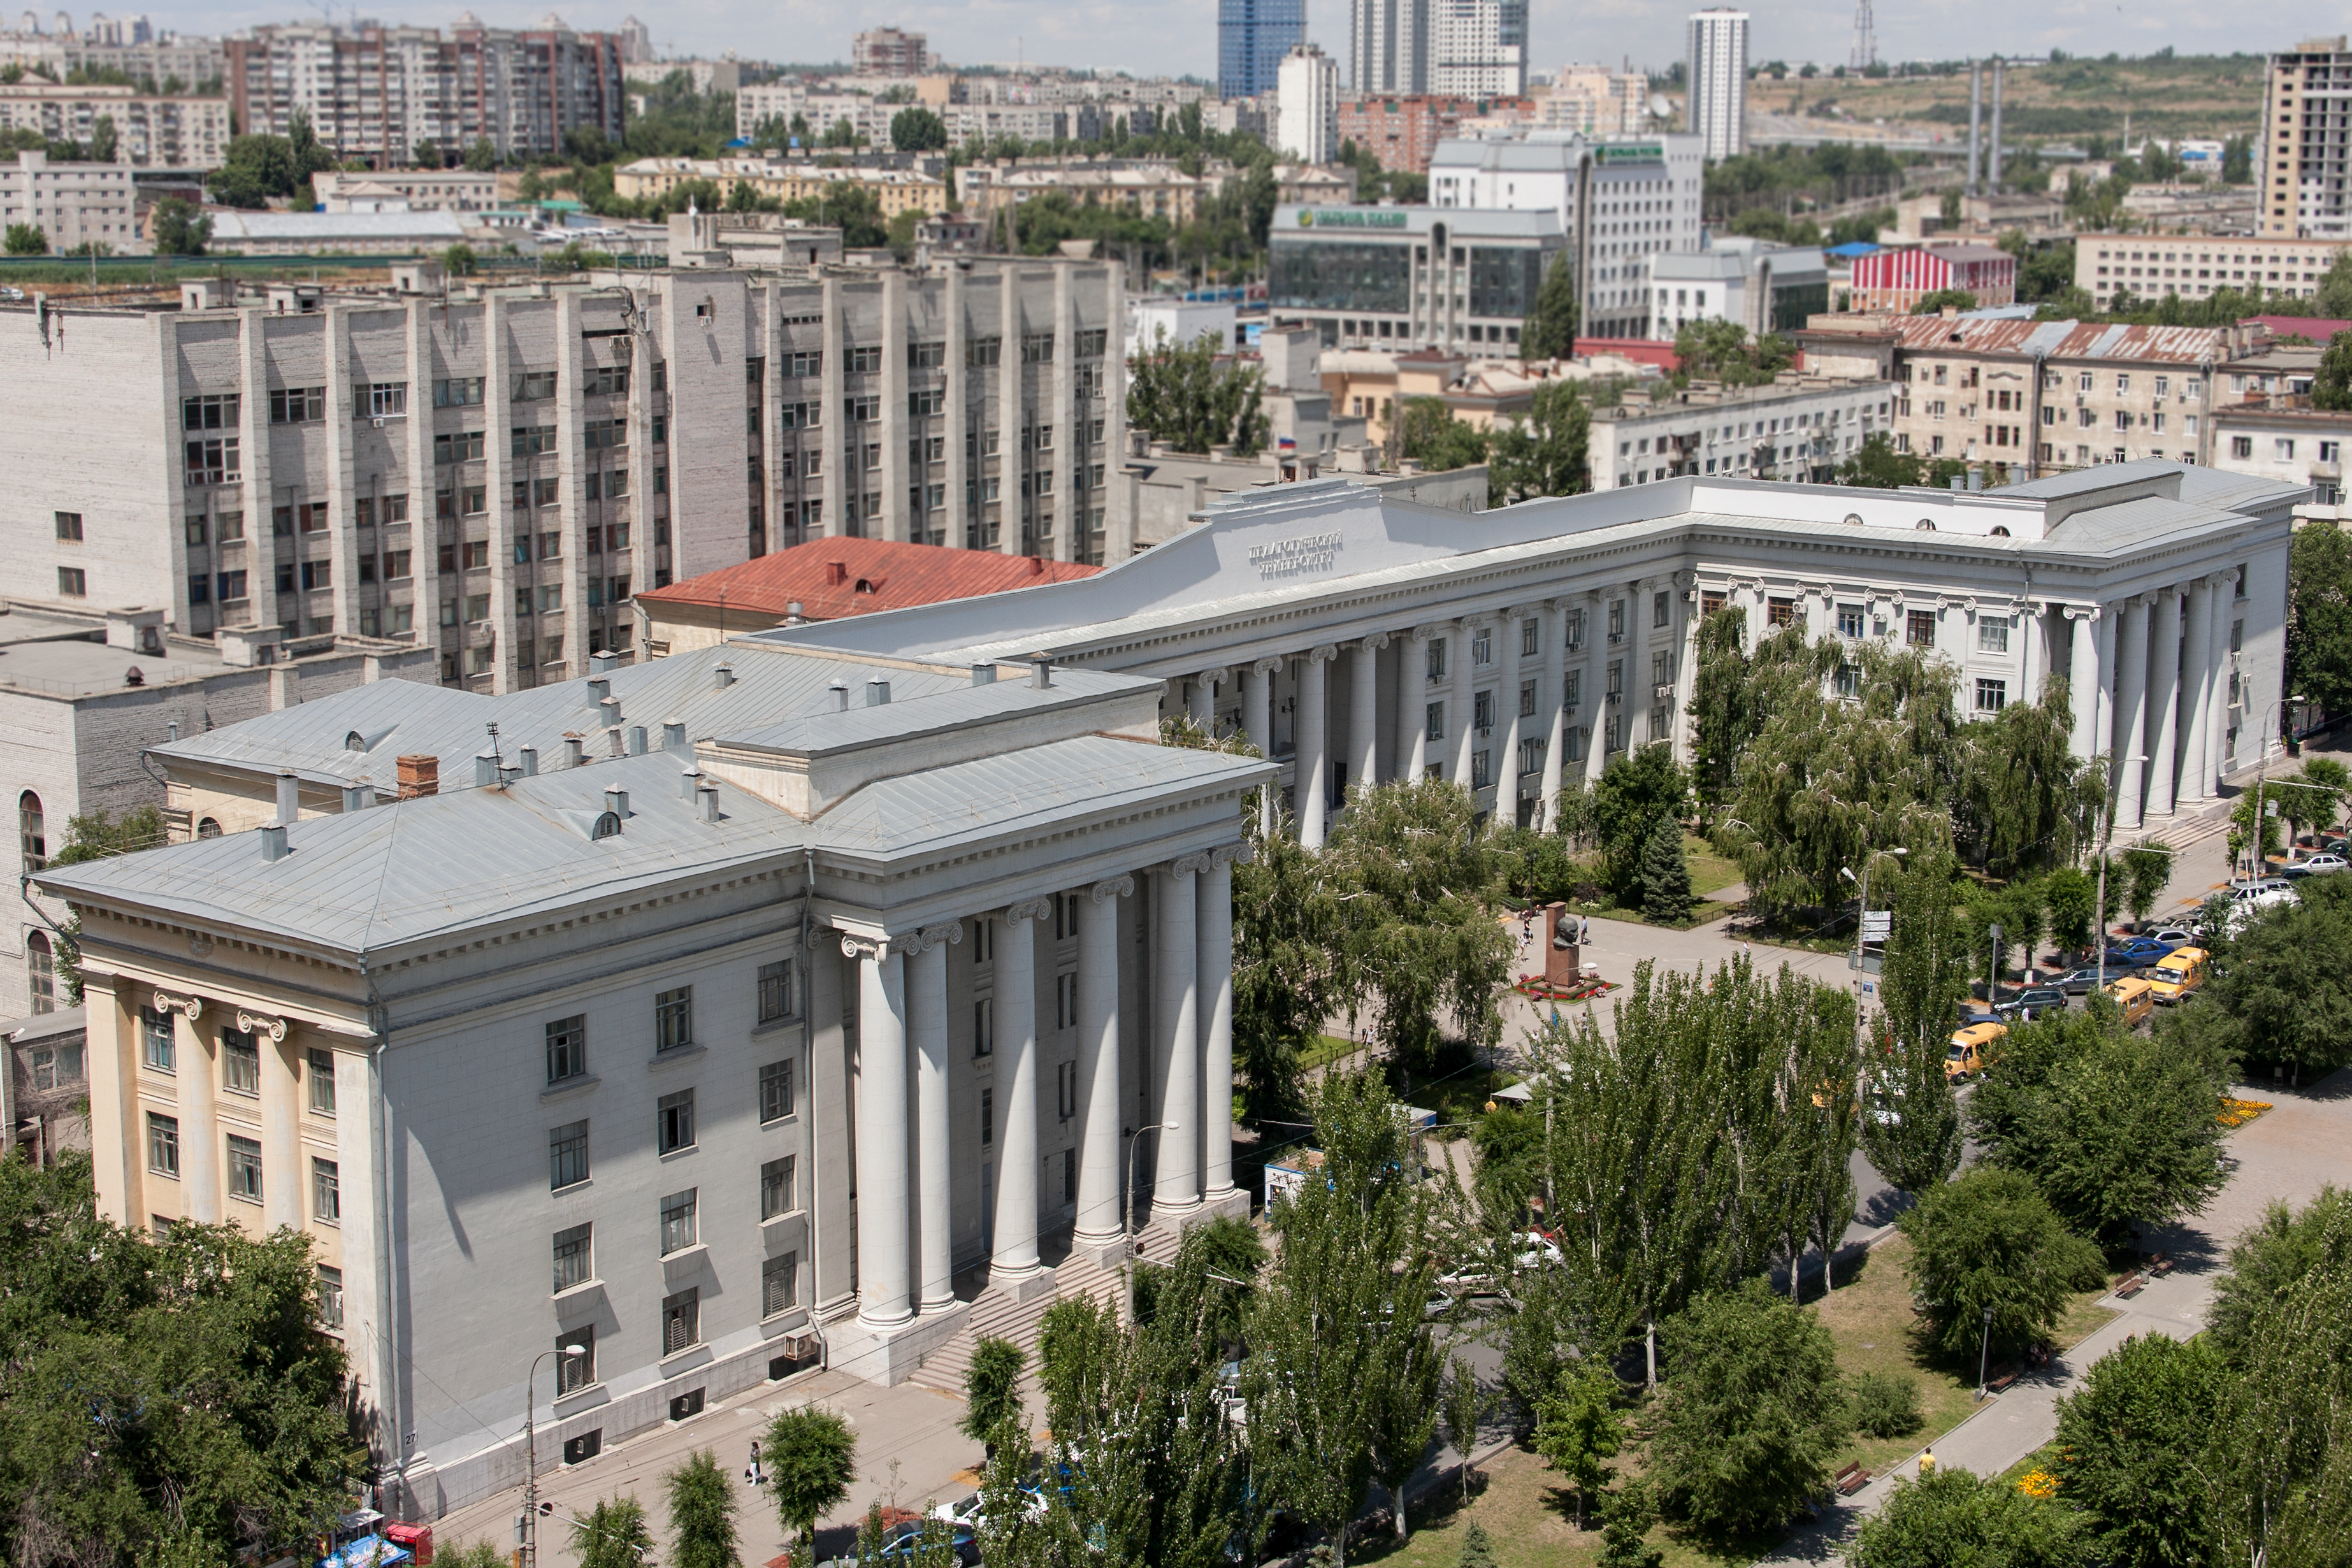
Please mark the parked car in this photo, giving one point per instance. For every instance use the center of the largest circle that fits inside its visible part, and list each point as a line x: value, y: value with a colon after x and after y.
x: 2180, y: 977
x: 2136, y: 997
x: 2315, y: 865
x: 1966, y: 1059
x: 2178, y: 936
x: 1535, y: 1248
x: 2079, y: 982
x: 2138, y: 953
x: 2031, y: 1003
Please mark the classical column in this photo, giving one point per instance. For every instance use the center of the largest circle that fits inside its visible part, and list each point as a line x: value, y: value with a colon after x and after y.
x: 1551, y: 709
x: 1461, y: 705
x: 1595, y: 700
x: 1176, y: 1019
x: 2197, y: 698
x: 1099, y: 1175
x: 2131, y: 711
x: 1202, y: 699
x: 2217, y: 728
x: 927, y: 1032
x: 1364, y: 708
x: 1412, y: 703
x: 884, y: 1298
x: 1507, y: 717
x: 1636, y: 700
x: 282, y: 1121
x: 2082, y: 678
x: 1258, y: 722
x: 1214, y: 962
x: 2163, y: 701
x: 194, y: 1068
x: 1016, y: 1054
x: 1684, y: 644
x: 1310, y: 771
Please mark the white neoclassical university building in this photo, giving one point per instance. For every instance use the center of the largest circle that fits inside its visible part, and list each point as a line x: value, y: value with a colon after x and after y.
x: 814, y: 995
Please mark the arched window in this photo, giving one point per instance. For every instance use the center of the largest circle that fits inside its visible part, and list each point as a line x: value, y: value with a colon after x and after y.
x: 208, y: 829
x: 32, y: 831
x: 607, y: 826
x: 41, y: 969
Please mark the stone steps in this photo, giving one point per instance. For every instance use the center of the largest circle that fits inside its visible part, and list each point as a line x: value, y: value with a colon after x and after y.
x: 996, y: 1316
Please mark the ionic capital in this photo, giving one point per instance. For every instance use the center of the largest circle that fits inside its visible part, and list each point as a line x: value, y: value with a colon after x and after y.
x: 1230, y: 854
x: 1028, y: 909
x: 1374, y: 642
x: 1322, y: 653
x: 932, y: 936
x: 1189, y: 865
x: 262, y: 1023
x: 1216, y: 677
x: 1268, y: 666
x: 1424, y: 634
x: 193, y: 1007
x: 1112, y: 887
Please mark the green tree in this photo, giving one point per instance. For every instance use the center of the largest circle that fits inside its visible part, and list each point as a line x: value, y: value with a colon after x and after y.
x: 1477, y: 1552
x: 460, y: 260
x: 1289, y: 961
x: 427, y: 154
x: 2148, y: 868
x: 701, y: 1513
x: 99, y: 835
x: 168, y: 1399
x: 1722, y: 350
x: 2070, y: 894
x: 2331, y: 385
x: 1951, y: 1518
x: 104, y: 140
x: 2028, y: 804
x: 2045, y: 273
x: 992, y: 1387
x: 1876, y: 465
x: 1461, y: 1412
x: 2319, y: 603
x: 2131, y: 1443
x: 1635, y: 794
x: 1721, y: 720
x: 1753, y: 1414
x: 613, y: 1534
x: 2273, y: 1255
x: 1912, y: 1133
x: 811, y: 1457
x: 2285, y: 995
x: 1991, y: 1239
x: 1665, y: 878
x: 1427, y: 433
x: 482, y: 156
x: 1625, y: 1526
x: 181, y: 228
x: 1934, y: 302
x: 1579, y: 1429
x: 917, y: 129
x: 1547, y: 453
x: 28, y: 239
x: 1549, y: 330
x: 1181, y: 394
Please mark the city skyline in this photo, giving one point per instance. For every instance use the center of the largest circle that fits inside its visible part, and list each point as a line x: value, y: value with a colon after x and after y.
x: 1108, y: 35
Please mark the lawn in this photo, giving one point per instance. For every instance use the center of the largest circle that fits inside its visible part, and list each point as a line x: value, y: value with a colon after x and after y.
x: 1710, y: 872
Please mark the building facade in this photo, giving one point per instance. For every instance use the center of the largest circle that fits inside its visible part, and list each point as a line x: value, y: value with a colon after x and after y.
x: 890, y: 52
x: 152, y: 130
x: 1388, y: 46
x: 1717, y: 110
x: 895, y: 191
x: 1406, y: 278
x: 2301, y: 156
x: 377, y: 93
x: 1478, y: 49
x: 490, y: 476
x: 1897, y: 277
x: 1764, y: 288
x: 1618, y: 202
x: 2285, y: 440
x: 72, y: 205
x: 1401, y: 131
x: 423, y: 190
x: 1595, y: 101
x: 1308, y: 105
x: 1252, y: 38
x: 160, y: 56
x: 2149, y: 266
x: 1796, y: 430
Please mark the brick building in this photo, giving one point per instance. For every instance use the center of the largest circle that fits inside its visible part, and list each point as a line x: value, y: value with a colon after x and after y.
x: 1402, y: 132
x: 1898, y: 277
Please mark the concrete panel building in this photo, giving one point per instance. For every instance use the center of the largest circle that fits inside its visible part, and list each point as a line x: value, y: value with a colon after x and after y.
x: 152, y: 130
x: 2300, y: 154
x: 1408, y: 278
x: 72, y: 205
x: 1308, y: 98
x: 1717, y: 108
x: 1796, y: 430
x: 489, y: 474
x: 2151, y: 266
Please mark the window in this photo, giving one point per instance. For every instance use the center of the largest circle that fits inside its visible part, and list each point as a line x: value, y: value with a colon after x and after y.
x: 860, y: 410
x: 321, y: 1064
x: 1780, y: 611
x: 243, y: 1168
x: 210, y: 412
x: 674, y: 1123
x: 681, y: 1321
x: 458, y: 392
x: 780, y: 1280
x: 575, y: 1256
x: 776, y: 1091
x: 240, y: 1061
x: 155, y: 1041
x: 1065, y: 1002
x: 805, y: 364
x: 331, y: 1297
x: 72, y: 584
x: 776, y: 990
x: 601, y: 434
x: 317, y: 574
x: 458, y: 446
x: 925, y: 402
x: 1660, y: 611
x: 1848, y: 681
x: 776, y: 1187
x: 674, y: 1018
x: 387, y: 399
x: 1036, y: 347
x: 532, y: 386
x: 983, y: 1026
x: 865, y: 360
x: 1919, y: 628
x: 677, y: 1222
x: 326, y: 1191
x: 69, y: 528
x: 980, y: 351
x: 567, y: 1155
x: 574, y: 1373
x: 1069, y: 1176
x: 987, y: 1118
x: 925, y: 356
x: 297, y: 405
x: 1992, y: 634
x: 1434, y: 717
x: 529, y: 439
x: 1065, y: 1090
x: 163, y: 1144
x: 1482, y: 647
x: 1482, y: 710
x: 608, y: 380
x: 567, y: 1048
x: 2283, y: 449
x: 1849, y: 620
x: 32, y: 831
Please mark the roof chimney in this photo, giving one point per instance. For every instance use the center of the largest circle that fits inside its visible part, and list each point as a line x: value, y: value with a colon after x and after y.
x: 636, y: 741
x: 419, y: 775
x: 1040, y: 672
x: 840, y: 690
x: 706, y: 801
x: 599, y: 688
x: 576, y: 751
x: 878, y: 692
x: 610, y: 708
x: 722, y: 676
x: 486, y: 769
x: 530, y: 754
x: 794, y: 615
x: 616, y: 800
x: 357, y: 798
x: 274, y: 846
x: 837, y: 571
x: 673, y: 735
x: 602, y: 663
x: 290, y: 798
x: 620, y: 746
x: 1036, y: 566
x: 983, y: 673
x: 687, y: 779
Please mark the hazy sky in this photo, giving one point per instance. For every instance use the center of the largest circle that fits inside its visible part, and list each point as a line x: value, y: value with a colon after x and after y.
x: 1145, y: 36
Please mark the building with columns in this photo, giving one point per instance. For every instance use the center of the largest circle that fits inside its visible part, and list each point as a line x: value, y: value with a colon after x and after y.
x: 843, y: 973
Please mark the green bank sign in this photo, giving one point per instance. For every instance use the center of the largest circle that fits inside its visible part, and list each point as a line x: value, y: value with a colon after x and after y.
x: 1633, y: 153
x: 1351, y: 219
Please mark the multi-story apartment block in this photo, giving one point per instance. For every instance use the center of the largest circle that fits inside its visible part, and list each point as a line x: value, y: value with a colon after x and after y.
x: 1388, y: 46
x: 376, y: 93
x: 890, y: 52
x: 895, y: 191
x: 489, y: 474
x: 1716, y: 109
x: 1401, y: 131
x: 780, y: 102
x: 1618, y: 202
x: 2301, y: 157
x: 2283, y: 438
x: 1408, y: 278
x: 72, y: 205
x: 1478, y: 49
x: 161, y: 58
x: 1252, y: 38
x: 1795, y: 431
x: 1151, y: 187
x: 1307, y: 118
x: 1595, y: 101
x: 1899, y: 276
x: 702, y: 76
x: 151, y: 132
x: 2149, y: 266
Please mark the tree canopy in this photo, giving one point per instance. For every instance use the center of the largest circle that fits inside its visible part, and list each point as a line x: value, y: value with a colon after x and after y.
x: 1549, y: 330
x: 1187, y: 395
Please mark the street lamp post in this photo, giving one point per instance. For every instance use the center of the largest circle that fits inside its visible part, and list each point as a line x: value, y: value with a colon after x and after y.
x: 1127, y: 1267
x: 1984, y: 1346
x: 527, y: 1538
x: 1992, y: 975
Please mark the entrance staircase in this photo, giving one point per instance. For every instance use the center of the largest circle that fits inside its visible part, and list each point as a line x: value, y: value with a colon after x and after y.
x: 998, y: 1316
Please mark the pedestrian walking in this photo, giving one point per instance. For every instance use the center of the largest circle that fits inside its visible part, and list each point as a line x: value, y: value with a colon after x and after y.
x: 752, y: 1474
x: 1927, y: 1463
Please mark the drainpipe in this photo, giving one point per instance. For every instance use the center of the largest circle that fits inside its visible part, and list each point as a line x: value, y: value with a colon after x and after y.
x: 816, y: 1166
x: 386, y: 1356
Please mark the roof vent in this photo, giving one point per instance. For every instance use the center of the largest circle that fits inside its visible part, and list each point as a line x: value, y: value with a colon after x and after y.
x: 877, y: 693
x: 419, y: 775
x: 1040, y: 672
x: 616, y: 799
x: 608, y: 826
x: 840, y: 690
x: 486, y: 769
x: 274, y: 846
x: 574, y: 752
x: 984, y: 673
x: 706, y: 801
x: 636, y: 741
x: 530, y: 754
x: 602, y: 663
x: 687, y: 779
x: 722, y: 676
x: 673, y: 735
x: 354, y: 741
x: 618, y: 746
x: 357, y: 797
x: 794, y: 613
x: 839, y: 570
x: 290, y: 798
x: 599, y: 689
x: 610, y: 708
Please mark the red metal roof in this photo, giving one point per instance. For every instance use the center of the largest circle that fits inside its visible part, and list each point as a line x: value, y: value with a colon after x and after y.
x: 2059, y: 340
x: 831, y: 579
x: 2318, y: 329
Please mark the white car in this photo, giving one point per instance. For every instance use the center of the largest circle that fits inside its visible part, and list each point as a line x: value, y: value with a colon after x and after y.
x: 1535, y: 1248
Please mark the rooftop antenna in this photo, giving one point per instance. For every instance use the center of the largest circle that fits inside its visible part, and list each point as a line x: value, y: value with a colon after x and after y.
x: 1865, y: 36
x: 493, y: 727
